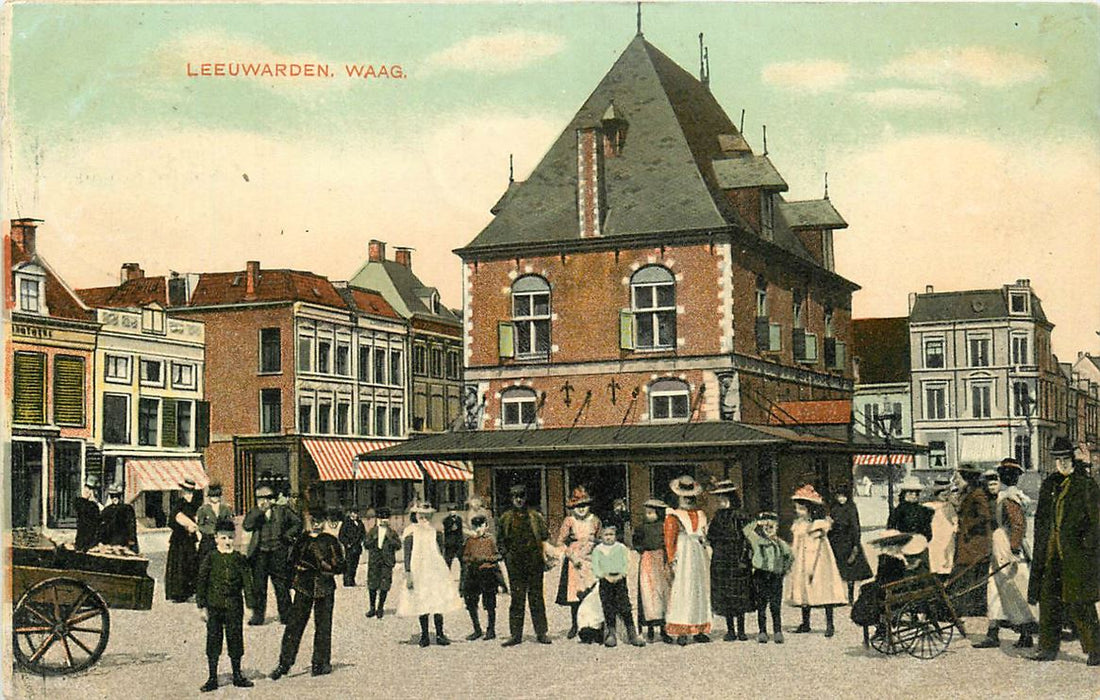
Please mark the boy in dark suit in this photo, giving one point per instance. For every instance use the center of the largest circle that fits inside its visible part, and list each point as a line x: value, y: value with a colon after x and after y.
x: 481, y: 572
x: 383, y: 544
x: 352, y: 534
x: 223, y: 576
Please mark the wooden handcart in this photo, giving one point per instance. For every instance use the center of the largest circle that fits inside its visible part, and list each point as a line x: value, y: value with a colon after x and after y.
x: 62, y: 599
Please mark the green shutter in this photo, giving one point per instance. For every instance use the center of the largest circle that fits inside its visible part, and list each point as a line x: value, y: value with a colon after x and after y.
x: 841, y: 358
x: 29, y: 381
x: 506, y: 339
x: 810, y: 354
x: 626, y: 329
x: 68, y: 390
x: 775, y: 337
x: 202, y: 424
x: 168, y: 423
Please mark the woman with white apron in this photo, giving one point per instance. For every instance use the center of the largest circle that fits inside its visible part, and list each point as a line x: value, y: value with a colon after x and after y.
x: 429, y: 589
x: 689, y: 614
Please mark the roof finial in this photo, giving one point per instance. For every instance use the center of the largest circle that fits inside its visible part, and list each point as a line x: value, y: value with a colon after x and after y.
x: 741, y: 129
x: 511, y: 170
x: 826, y: 184
x: 639, y: 19
x: 704, y: 63
x: 765, y: 139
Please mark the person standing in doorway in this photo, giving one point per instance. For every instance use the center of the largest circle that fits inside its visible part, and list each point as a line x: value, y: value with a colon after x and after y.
x: 521, y: 535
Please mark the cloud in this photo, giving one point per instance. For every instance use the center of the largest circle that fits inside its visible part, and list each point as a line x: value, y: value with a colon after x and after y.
x: 974, y: 64
x: 497, y: 53
x: 809, y: 76
x: 911, y: 98
x: 964, y: 212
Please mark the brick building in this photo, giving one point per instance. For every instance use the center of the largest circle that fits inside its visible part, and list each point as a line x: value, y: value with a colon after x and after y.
x: 638, y: 306
x: 50, y: 350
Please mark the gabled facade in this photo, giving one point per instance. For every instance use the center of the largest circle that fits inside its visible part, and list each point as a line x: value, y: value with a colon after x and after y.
x: 1084, y: 383
x: 983, y: 379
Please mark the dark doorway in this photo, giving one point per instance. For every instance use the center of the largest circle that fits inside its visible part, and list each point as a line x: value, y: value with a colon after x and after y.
x: 26, y: 484
x: 605, y: 483
x: 663, y: 474
x: 504, y: 479
x: 767, y: 483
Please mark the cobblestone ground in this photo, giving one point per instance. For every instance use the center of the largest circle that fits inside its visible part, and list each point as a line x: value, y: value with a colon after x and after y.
x: 160, y: 654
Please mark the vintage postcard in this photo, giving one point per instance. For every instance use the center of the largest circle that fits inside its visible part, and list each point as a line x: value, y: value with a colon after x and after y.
x: 532, y: 350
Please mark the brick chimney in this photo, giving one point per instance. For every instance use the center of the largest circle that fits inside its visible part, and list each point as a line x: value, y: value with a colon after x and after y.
x: 376, y: 251
x: 252, y: 276
x: 590, y: 204
x: 404, y: 256
x: 130, y: 271
x: 23, y: 232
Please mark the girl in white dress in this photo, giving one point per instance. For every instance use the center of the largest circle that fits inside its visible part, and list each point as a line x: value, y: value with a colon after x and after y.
x: 689, y: 612
x: 429, y: 589
x: 577, y: 537
x: 815, y: 580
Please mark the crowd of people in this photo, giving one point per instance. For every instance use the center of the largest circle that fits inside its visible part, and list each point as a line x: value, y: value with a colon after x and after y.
x: 970, y: 532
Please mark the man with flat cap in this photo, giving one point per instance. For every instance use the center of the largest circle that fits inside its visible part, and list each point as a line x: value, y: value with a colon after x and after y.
x: 274, y: 529
x: 1065, y: 572
x: 521, y: 532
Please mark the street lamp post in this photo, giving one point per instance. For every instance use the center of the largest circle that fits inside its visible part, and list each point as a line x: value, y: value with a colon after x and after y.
x: 886, y: 424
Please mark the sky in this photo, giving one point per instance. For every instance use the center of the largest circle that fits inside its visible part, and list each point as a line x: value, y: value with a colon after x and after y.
x: 961, y: 141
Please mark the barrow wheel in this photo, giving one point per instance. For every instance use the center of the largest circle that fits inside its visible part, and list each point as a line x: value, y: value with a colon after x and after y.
x: 59, y: 626
x: 926, y: 636
x: 888, y: 642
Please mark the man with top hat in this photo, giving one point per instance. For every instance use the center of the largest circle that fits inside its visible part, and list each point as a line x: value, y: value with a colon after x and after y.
x: 210, y: 513
x: 973, y: 544
x: 910, y: 515
x: 521, y: 534
x: 118, y: 522
x: 274, y: 530
x: 87, y: 514
x: 688, y: 616
x: 1065, y: 574
x: 182, y: 565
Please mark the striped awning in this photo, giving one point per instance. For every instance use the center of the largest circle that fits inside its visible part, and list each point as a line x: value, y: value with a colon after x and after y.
x: 882, y: 459
x: 161, y: 475
x: 446, y: 471
x: 336, y: 460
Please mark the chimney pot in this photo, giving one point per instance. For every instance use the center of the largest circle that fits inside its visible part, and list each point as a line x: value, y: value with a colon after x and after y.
x: 1023, y: 283
x: 376, y: 251
x: 912, y: 300
x: 928, y: 289
x: 252, y: 276
x: 403, y: 256
x: 23, y: 233
x: 131, y: 271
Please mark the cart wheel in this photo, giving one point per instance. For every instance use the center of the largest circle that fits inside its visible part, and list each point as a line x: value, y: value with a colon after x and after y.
x: 927, y: 636
x: 888, y: 642
x: 59, y: 626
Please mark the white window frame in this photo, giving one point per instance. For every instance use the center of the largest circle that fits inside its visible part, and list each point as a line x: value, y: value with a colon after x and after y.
x: 667, y: 395
x: 397, y: 366
x: 649, y: 291
x: 934, y: 340
x: 1016, y: 340
x: 1016, y: 398
x: 152, y: 321
x: 26, y: 285
x: 156, y: 441
x: 342, y: 407
x: 342, y: 347
x: 128, y: 423
x: 934, y: 452
x: 146, y: 362
x: 182, y: 384
x: 114, y: 378
x: 518, y: 397
x: 530, y: 288
x: 1012, y: 296
x: 971, y: 339
x: 926, y: 404
x: 310, y: 340
x: 306, y: 402
x: 981, y: 397
x: 324, y: 409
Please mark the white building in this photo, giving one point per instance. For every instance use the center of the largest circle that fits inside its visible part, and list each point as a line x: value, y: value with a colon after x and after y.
x: 880, y: 355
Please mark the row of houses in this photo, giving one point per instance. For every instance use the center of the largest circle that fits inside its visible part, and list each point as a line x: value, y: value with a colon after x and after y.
x: 227, y: 376
x: 971, y: 375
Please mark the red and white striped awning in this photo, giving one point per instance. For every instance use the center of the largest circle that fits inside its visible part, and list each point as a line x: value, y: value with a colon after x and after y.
x: 161, y: 475
x: 335, y: 460
x: 446, y: 471
x: 882, y: 459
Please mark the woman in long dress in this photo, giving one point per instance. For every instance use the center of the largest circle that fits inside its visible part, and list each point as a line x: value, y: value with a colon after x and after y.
x: 653, y: 571
x: 182, y: 567
x: 845, y: 536
x: 731, y: 563
x: 577, y: 537
x: 689, y: 612
x: 815, y: 581
x: 429, y: 590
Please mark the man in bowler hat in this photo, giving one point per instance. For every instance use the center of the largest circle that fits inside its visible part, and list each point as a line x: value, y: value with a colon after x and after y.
x: 1065, y: 573
x: 521, y: 532
x: 274, y: 529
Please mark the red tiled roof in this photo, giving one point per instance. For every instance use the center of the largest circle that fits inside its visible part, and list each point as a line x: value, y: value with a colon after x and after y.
x: 218, y: 288
x: 882, y: 346
x: 811, y: 413
x: 371, y: 302
x: 129, y: 294
x: 60, y: 300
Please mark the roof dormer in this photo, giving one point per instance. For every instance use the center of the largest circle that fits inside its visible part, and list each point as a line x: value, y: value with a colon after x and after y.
x: 29, y: 280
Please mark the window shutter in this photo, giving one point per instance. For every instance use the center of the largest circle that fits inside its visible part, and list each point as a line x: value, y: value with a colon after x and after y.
x: 506, y: 339
x: 841, y: 357
x: 68, y: 390
x: 810, y: 350
x: 762, y: 333
x: 29, y: 402
x: 775, y: 337
x: 626, y: 329
x: 168, y: 423
x: 798, y: 343
x: 202, y: 424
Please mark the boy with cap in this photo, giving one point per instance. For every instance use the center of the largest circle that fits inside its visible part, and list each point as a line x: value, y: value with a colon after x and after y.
x: 316, y: 559
x: 609, y: 564
x: 771, y: 560
x: 480, y: 561
x: 224, y: 575
x: 87, y: 514
x: 382, y: 546
x: 210, y: 513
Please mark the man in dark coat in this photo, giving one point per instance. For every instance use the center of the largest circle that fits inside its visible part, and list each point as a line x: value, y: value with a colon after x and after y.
x: 845, y: 537
x: 452, y: 535
x: 973, y: 544
x: 274, y: 529
x: 1065, y: 572
x: 383, y: 544
x: 87, y: 515
x: 224, y: 575
x: 352, y: 534
x: 316, y: 559
x: 118, y: 522
x: 521, y: 533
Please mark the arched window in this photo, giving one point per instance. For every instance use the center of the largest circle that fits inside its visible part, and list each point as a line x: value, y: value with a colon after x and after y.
x: 669, y: 399
x: 531, y: 316
x: 653, y: 303
x: 518, y: 407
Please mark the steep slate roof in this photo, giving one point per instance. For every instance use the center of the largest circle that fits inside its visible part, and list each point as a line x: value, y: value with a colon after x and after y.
x: 129, y: 294
x: 401, y: 288
x: 974, y: 304
x: 882, y: 346
x: 812, y: 214
x: 662, y: 181
x: 61, y: 301
x: 748, y: 171
x: 811, y: 413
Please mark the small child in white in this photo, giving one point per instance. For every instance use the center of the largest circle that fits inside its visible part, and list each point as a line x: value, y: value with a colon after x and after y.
x: 609, y: 562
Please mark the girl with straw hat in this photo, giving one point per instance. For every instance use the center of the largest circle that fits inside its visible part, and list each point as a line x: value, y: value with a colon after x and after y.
x: 815, y: 579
